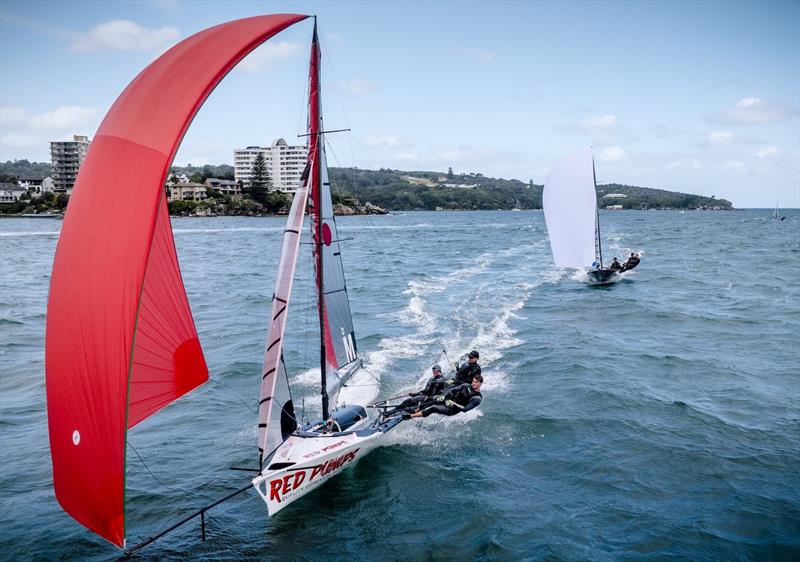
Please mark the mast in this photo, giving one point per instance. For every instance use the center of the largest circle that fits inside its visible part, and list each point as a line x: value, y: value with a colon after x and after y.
x: 317, y: 139
x: 596, y: 217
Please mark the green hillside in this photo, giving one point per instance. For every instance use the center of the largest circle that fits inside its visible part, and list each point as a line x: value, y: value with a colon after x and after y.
x: 405, y: 191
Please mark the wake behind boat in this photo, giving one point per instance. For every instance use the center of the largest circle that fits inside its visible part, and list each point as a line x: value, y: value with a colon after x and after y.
x: 573, y: 221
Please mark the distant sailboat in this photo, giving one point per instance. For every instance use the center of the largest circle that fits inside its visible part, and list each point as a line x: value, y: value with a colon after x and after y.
x: 573, y: 222
x: 775, y: 214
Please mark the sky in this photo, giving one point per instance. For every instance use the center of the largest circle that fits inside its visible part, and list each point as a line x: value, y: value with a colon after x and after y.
x: 697, y: 97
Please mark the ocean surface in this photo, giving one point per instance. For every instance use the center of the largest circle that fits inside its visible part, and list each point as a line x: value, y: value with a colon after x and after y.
x: 655, y: 419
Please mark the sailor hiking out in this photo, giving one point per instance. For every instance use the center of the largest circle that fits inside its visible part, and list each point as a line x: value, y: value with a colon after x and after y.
x: 631, y: 262
x: 434, y: 386
x: 454, y: 400
x: 466, y: 372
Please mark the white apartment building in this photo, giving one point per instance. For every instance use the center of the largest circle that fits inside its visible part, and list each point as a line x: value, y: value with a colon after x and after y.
x: 285, y: 164
x: 67, y: 157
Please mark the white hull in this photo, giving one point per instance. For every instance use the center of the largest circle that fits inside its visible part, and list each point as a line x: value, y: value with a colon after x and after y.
x: 305, y: 461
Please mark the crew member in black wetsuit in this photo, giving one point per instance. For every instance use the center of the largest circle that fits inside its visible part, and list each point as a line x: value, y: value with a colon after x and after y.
x: 434, y: 386
x: 631, y: 262
x: 468, y: 370
x: 615, y: 265
x: 454, y: 400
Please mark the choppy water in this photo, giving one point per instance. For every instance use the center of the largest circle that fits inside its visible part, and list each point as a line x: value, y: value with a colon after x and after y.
x: 655, y: 419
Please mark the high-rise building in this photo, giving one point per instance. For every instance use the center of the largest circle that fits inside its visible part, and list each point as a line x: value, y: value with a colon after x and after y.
x: 67, y: 157
x: 285, y: 164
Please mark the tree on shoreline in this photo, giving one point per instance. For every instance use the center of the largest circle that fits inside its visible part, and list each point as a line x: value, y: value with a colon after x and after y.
x: 260, y: 182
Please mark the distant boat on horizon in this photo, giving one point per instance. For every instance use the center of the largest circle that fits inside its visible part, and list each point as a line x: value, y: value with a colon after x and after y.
x: 775, y: 214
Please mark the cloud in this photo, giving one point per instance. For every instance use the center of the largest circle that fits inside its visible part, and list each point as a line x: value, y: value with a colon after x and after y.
x: 63, y: 118
x: 664, y: 132
x: 733, y: 165
x: 685, y: 164
x: 604, y: 122
x: 124, y: 35
x: 720, y: 137
x: 767, y: 151
x: 611, y: 154
x: 12, y: 117
x: 67, y: 117
x: 16, y: 140
x: 385, y: 141
x: 481, y: 55
x: 357, y: 88
x: 264, y: 55
x: 752, y: 110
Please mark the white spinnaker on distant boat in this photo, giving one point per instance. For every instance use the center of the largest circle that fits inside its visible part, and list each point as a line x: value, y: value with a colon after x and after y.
x: 276, y: 419
x: 570, y: 210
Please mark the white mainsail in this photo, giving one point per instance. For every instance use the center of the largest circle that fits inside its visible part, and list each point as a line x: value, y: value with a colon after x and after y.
x: 570, y: 210
x: 276, y: 419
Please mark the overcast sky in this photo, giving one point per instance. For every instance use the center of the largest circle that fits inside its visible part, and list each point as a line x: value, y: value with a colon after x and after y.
x: 697, y: 97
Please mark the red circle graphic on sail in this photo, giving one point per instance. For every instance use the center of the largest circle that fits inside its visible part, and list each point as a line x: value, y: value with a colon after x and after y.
x: 327, y: 237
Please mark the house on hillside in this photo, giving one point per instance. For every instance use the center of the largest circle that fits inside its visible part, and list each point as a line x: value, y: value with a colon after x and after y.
x: 226, y: 187
x: 187, y: 192
x: 11, y: 193
x: 36, y: 184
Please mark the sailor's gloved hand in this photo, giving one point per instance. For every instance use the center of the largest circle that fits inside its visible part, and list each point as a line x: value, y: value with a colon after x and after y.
x: 449, y: 381
x: 440, y: 398
x: 449, y: 403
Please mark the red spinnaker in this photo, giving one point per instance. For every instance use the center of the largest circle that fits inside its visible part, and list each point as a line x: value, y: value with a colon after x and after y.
x: 121, y: 343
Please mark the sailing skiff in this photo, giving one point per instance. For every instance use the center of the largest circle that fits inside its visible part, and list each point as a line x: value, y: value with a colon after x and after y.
x: 300, y: 459
x: 573, y: 221
x: 121, y: 343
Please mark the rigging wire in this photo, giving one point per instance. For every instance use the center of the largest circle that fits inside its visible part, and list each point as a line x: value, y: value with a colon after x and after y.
x: 337, y: 188
x: 150, y: 471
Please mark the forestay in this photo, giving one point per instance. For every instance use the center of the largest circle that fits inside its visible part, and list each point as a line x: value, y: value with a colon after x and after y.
x: 570, y: 210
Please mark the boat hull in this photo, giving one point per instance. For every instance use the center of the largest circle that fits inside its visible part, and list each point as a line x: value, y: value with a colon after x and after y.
x: 307, y: 460
x: 603, y: 276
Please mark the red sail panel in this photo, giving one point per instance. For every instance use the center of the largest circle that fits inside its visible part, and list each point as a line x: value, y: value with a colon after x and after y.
x: 111, y: 249
x: 167, y: 359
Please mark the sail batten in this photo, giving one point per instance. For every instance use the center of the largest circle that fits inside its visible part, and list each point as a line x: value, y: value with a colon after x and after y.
x: 275, y: 402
